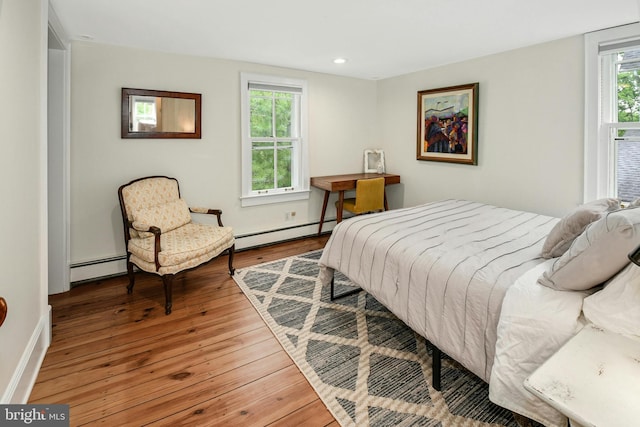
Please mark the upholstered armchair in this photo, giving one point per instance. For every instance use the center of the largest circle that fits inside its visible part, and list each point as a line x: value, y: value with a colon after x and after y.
x: 160, y: 236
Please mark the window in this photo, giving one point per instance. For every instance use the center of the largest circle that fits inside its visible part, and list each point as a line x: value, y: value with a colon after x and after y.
x: 612, y: 133
x: 144, y: 113
x: 274, y: 140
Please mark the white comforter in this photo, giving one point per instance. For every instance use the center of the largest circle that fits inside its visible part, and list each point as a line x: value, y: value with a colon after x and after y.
x: 535, y: 322
x: 443, y: 268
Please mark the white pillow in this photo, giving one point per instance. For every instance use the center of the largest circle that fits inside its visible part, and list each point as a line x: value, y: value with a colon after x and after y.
x: 167, y: 216
x: 573, y: 224
x: 597, y: 254
x: 617, y: 306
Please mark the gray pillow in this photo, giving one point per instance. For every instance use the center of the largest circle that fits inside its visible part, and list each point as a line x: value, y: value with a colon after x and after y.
x: 573, y: 224
x: 597, y: 254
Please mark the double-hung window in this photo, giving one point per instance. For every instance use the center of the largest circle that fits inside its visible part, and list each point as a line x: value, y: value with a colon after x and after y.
x: 612, y: 128
x: 274, y: 139
x: 144, y: 113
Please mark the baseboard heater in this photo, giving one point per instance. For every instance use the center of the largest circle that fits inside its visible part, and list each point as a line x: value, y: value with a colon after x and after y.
x: 104, y: 268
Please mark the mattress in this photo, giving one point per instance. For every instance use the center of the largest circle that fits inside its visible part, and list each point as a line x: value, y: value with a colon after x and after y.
x: 443, y: 268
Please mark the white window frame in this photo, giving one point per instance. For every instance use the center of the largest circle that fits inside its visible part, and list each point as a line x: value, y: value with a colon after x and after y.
x: 300, y: 176
x: 139, y: 99
x: 599, y: 159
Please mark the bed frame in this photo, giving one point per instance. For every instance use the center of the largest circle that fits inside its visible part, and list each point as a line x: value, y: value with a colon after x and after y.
x: 436, y: 354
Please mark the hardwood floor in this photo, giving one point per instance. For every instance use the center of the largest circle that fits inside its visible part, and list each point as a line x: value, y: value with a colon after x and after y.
x: 118, y: 360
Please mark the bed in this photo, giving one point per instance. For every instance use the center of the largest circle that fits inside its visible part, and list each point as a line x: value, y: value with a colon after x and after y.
x: 446, y: 268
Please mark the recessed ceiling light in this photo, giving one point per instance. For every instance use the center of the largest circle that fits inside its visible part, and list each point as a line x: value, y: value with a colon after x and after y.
x: 340, y: 60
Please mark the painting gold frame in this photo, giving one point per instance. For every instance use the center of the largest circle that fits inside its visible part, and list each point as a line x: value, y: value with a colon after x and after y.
x: 448, y: 124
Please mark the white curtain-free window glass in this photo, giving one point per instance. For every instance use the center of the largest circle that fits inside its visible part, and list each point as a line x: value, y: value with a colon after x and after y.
x: 274, y: 142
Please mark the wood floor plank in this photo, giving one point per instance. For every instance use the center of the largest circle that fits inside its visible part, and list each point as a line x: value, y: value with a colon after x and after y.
x: 216, y: 339
x: 216, y: 389
x: 257, y: 362
x: 137, y: 307
x: 117, y: 359
x: 165, y: 370
x: 256, y: 403
x: 315, y: 414
x: 110, y: 337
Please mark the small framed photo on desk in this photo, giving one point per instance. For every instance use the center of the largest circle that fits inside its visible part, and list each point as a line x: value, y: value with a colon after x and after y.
x: 374, y: 161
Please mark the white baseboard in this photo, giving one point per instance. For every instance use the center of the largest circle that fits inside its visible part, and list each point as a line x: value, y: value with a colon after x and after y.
x: 111, y: 267
x: 261, y: 239
x: 26, y: 373
x: 118, y: 265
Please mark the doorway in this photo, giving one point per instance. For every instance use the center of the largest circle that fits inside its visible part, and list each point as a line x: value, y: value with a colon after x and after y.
x: 58, y: 156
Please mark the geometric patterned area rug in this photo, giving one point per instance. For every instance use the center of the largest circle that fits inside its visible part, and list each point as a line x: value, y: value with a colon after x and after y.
x: 367, y: 366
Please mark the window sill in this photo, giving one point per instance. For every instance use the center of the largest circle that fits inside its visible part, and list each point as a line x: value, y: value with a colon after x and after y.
x: 265, y: 199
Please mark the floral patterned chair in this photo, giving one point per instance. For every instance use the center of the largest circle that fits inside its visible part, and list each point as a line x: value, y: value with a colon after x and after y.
x: 160, y: 236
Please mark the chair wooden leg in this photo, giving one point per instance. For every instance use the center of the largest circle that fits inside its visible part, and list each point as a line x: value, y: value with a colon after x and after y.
x: 167, y: 280
x: 231, y: 253
x: 131, y: 275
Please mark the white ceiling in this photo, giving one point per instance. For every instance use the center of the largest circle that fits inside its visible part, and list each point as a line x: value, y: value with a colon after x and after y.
x: 380, y: 38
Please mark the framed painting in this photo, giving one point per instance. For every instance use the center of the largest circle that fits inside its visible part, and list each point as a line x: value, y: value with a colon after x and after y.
x: 448, y: 124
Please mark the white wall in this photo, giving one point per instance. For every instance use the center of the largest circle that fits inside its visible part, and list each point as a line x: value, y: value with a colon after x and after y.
x: 58, y: 170
x: 23, y: 232
x: 530, y: 134
x: 530, y: 138
x: 342, y: 124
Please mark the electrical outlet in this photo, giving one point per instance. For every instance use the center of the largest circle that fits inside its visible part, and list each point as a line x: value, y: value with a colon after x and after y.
x: 290, y: 216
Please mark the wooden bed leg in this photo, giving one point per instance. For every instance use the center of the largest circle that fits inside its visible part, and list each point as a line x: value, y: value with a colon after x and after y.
x: 436, y: 364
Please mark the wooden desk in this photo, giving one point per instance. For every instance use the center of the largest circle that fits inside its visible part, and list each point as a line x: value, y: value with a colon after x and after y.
x: 342, y: 183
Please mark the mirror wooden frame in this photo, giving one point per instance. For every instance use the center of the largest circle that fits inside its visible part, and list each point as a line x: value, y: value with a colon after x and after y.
x: 126, y: 124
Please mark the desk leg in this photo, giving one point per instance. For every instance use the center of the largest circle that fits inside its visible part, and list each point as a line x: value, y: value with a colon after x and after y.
x: 324, y: 210
x: 386, y: 205
x: 339, y: 207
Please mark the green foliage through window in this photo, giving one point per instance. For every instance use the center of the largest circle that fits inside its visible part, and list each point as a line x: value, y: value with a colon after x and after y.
x: 628, y: 86
x: 274, y: 137
x: 625, y: 135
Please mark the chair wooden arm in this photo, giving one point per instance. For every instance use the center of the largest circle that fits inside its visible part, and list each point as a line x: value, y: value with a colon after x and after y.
x: 156, y: 245
x: 216, y: 212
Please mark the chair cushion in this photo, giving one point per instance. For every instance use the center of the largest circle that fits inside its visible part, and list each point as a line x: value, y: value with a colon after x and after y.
x: 182, y: 245
x: 149, y: 192
x: 348, y: 204
x: 150, y: 267
x: 146, y: 193
x: 167, y: 217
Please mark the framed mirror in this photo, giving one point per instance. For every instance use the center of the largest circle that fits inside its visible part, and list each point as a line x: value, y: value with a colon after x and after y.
x: 160, y: 114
